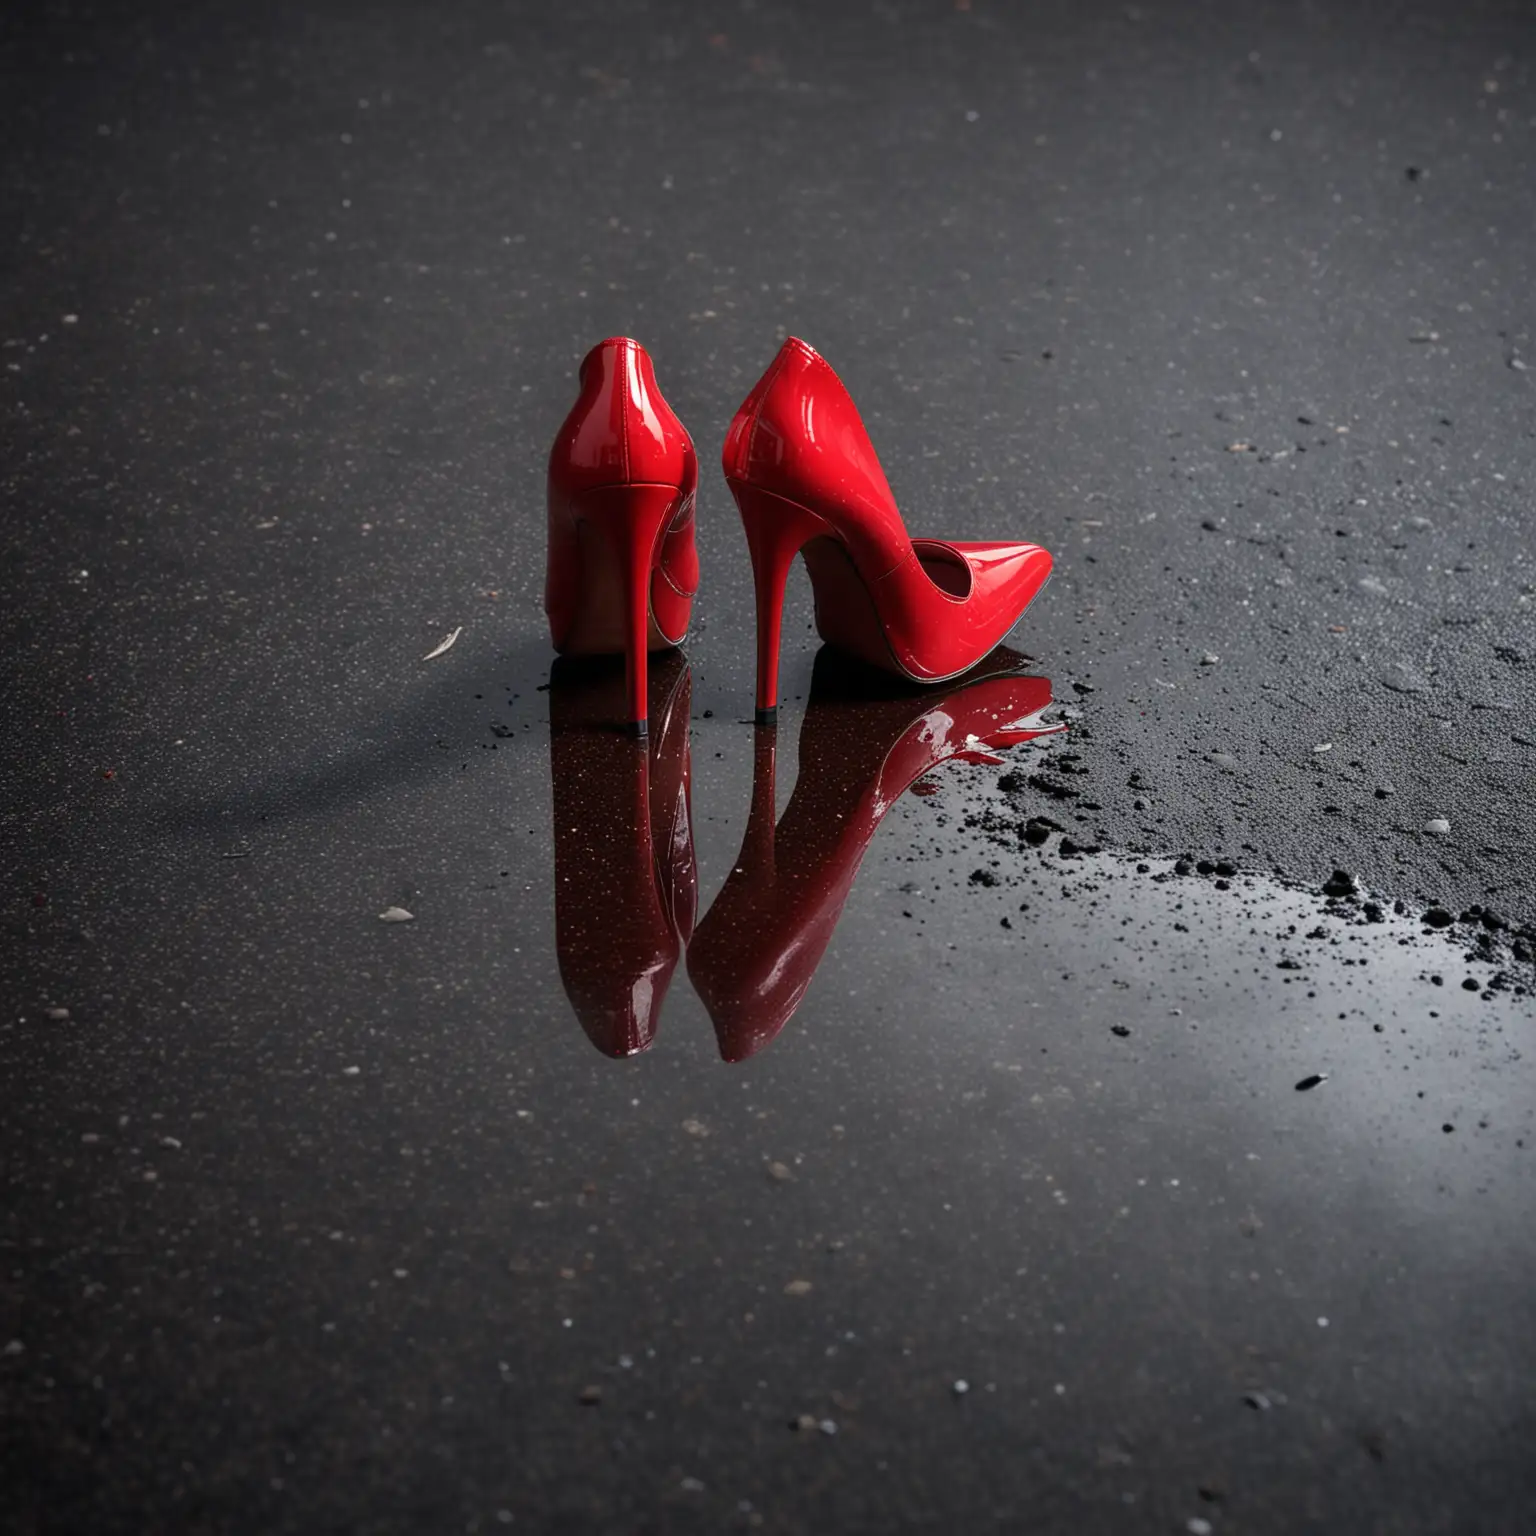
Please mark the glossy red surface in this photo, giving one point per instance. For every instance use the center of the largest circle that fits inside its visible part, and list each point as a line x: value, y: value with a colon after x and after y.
x: 863, y: 742
x: 625, y: 883
x: 623, y: 475
x: 806, y: 477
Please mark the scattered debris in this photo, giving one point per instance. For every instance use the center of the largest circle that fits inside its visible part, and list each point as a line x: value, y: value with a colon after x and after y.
x: 445, y: 644
x: 58, y: 1015
x: 1438, y: 826
x: 798, y: 1288
x: 1120, y: 1029
x: 396, y: 915
x: 961, y: 1387
x: 779, y: 1172
x: 695, y: 1127
x: 590, y: 1397
x: 1308, y: 1083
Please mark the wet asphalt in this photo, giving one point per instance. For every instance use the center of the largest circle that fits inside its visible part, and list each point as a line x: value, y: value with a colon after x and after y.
x: 1151, y: 1148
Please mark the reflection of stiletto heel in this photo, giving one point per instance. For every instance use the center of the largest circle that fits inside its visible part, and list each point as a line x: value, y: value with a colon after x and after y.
x: 806, y: 478
x: 864, y: 740
x: 622, y: 478
x: 625, y: 883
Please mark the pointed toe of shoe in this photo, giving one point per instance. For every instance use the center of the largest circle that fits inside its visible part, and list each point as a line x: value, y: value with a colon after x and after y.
x: 1006, y: 577
x: 1005, y: 572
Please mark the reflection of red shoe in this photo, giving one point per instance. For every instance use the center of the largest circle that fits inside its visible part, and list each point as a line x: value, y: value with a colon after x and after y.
x: 625, y: 884
x: 805, y: 477
x: 622, y: 476
x: 864, y: 740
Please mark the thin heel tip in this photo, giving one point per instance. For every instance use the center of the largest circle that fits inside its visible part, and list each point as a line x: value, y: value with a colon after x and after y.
x: 639, y: 729
x: 769, y: 716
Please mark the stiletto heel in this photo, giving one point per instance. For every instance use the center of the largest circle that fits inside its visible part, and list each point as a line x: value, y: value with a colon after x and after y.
x: 623, y: 567
x: 777, y: 530
x: 629, y: 520
x: 806, y: 479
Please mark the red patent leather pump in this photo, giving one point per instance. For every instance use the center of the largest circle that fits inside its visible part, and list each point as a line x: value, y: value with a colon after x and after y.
x: 622, y: 478
x: 807, y: 480
x: 625, y: 882
x: 865, y: 739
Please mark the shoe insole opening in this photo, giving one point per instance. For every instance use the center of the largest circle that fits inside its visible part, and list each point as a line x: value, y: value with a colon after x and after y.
x: 947, y: 570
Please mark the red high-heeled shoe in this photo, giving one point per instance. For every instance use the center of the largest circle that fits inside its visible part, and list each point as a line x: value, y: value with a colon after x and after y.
x: 806, y: 479
x: 865, y: 740
x: 622, y: 477
x: 625, y: 883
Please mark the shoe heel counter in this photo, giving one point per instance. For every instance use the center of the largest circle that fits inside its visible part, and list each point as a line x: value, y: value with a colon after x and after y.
x: 748, y: 453
x: 621, y: 431
x: 591, y: 447
x: 658, y: 447
x: 733, y: 456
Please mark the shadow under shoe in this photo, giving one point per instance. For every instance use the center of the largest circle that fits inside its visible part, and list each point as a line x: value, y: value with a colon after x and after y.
x: 626, y: 888
x: 865, y: 739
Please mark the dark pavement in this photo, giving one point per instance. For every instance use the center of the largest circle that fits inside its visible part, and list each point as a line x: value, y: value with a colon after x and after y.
x: 316, y: 1222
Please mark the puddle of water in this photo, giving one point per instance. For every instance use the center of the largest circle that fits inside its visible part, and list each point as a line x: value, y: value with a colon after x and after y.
x: 1034, y: 1123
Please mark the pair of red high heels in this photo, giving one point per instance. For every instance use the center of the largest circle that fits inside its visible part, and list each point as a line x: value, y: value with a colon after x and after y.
x: 626, y: 886
x: 623, y: 568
